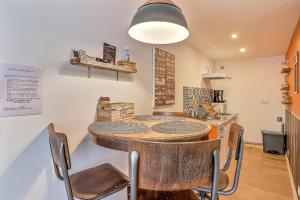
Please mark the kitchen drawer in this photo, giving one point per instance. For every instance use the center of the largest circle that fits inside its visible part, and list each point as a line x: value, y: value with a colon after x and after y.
x: 221, y: 132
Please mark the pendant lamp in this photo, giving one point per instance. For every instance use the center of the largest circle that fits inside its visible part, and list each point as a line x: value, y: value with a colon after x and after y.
x: 159, y: 22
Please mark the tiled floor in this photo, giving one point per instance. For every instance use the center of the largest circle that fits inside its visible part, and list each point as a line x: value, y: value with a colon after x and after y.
x: 263, y: 177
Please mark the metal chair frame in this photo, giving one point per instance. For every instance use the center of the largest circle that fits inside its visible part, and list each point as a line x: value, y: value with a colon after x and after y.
x: 134, y: 160
x: 239, y: 158
x: 64, y: 169
x: 65, y: 174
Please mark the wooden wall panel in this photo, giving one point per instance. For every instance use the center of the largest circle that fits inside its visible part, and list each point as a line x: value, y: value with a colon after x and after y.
x: 293, y: 145
x: 298, y: 153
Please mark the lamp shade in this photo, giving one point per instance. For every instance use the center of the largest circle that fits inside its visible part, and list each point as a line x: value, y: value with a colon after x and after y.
x: 159, y: 22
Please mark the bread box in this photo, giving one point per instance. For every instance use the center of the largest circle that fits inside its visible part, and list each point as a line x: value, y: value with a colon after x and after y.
x: 114, y: 111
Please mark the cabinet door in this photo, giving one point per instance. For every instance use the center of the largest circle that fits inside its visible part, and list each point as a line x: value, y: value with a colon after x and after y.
x: 226, y: 137
x: 222, y: 136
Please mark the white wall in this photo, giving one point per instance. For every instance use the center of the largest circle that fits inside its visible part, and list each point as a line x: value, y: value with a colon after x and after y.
x: 41, y: 33
x: 253, y: 81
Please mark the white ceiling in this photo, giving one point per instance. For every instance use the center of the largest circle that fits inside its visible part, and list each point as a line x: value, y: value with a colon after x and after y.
x: 264, y: 27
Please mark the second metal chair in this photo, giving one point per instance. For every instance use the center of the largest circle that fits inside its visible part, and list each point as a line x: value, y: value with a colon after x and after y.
x: 90, y: 184
x: 236, y: 150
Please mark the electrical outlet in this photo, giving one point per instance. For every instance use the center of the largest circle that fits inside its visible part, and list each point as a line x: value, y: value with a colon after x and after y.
x: 279, y: 119
x: 264, y: 101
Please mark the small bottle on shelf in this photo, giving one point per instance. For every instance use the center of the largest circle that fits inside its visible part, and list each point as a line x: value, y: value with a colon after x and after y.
x: 126, y: 54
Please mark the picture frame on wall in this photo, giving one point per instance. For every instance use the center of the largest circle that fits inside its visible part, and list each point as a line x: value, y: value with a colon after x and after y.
x: 296, y: 71
x: 163, y: 78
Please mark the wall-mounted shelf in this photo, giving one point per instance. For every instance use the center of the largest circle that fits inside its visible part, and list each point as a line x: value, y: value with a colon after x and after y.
x: 286, y: 70
x: 102, y: 65
x: 214, y: 76
x: 286, y: 102
x: 284, y: 89
x: 286, y: 99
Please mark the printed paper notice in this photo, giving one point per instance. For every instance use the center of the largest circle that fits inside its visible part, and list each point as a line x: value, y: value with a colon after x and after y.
x: 20, y: 90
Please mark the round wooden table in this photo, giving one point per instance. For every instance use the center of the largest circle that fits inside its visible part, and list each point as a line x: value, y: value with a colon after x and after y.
x: 117, y: 135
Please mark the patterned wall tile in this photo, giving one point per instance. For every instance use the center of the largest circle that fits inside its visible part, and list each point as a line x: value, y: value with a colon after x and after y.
x: 193, y: 97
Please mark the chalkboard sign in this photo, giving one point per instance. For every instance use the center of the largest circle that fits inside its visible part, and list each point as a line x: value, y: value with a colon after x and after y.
x: 109, y: 53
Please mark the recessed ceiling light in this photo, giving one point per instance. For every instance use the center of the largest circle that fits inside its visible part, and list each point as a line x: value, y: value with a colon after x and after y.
x: 243, y: 50
x: 234, y: 36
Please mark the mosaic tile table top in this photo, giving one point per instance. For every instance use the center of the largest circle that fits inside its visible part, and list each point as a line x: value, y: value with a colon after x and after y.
x: 179, y: 127
x: 125, y: 130
x: 193, y: 97
x: 120, y: 127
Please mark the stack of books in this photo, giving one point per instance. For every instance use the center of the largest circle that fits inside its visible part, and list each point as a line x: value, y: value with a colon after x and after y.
x: 107, y: 111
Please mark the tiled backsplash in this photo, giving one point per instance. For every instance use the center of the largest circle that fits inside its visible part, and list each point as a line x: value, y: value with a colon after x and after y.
x: 193, y: 97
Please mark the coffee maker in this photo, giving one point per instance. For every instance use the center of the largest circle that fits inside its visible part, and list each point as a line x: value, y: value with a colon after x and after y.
x: 218, y: 96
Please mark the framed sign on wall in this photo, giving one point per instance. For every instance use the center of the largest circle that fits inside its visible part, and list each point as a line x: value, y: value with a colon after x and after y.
x: 109, y: 53
x: 296, y: 75
x: 164, y: 78
x: 20, y: 90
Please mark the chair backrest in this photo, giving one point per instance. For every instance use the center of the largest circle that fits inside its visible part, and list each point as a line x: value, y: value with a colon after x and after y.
x: 235, y: 132
x: 56, y: 139
x: 174, y: 166
x: 236, y: 147
x: 177, y: 114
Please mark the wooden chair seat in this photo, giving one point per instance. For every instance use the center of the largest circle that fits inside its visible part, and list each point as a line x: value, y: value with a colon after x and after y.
x: 98, y: 182
x: 223, y: 182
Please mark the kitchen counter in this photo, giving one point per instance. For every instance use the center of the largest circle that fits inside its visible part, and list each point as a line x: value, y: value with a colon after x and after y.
x: 225, y: 119
x: 220, y: 130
